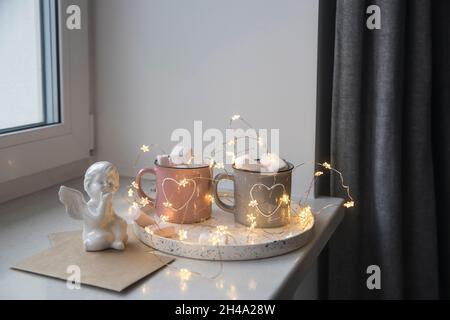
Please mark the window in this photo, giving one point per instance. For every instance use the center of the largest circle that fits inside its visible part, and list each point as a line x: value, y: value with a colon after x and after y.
x: 45, y: 101
x: 29, y: 88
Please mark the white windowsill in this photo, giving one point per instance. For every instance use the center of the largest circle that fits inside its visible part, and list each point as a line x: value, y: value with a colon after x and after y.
x: 26, y: 222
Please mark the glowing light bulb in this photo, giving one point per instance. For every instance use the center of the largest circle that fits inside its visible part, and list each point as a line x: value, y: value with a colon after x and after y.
x: 185, y: 274
x: 252, y: 220
x: 182, y: 234
x: 214, y: 240
x: 235, y: 117
x: 149, y: 231
x: 349, y: 204
x: 130, y: 192
x: 222, y: 229
x: 318, y: 173
x: 144, y: 202
x: 305, y: 210
x: 210, y: 198
x: 184, y: 183
x: 285, y: 199
x: 167, y: 204
x: 145, y: 148
x: 134, y: 184
x: 220, y: 165
x: 253, y: 203
x: 326, y: 165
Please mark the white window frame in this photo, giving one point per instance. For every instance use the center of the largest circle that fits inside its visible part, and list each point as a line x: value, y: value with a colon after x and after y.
x: 35, y: 150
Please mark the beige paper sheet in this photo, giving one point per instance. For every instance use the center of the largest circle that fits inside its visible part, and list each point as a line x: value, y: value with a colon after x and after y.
x: 110, y: 269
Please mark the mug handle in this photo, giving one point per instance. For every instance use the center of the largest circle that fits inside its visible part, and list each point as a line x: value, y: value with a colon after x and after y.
x: 139, y: 189
x: 219, y: 202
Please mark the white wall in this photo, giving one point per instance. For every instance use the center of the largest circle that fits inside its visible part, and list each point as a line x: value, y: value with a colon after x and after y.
x: 161, y: 64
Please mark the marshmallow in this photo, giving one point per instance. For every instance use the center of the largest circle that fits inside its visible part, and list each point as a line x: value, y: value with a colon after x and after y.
x: 269, y: 163
x: 272, y: 163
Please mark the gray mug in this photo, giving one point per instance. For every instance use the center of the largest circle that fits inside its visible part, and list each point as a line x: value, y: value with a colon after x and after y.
x: 260, y: 197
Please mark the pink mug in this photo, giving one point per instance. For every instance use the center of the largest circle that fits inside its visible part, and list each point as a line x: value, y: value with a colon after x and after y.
x: 183, y: 195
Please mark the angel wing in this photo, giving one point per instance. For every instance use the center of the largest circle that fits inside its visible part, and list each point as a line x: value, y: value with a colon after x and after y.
x: 74, y: 201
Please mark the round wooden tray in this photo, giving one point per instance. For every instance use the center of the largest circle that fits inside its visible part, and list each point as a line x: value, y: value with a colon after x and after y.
x: 238, y: 244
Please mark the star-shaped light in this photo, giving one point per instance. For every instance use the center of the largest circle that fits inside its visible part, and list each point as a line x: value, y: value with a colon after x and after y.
x: 252, y: 220
x: 220, y: 165
x: 134, y: 184
x: 182, y: 234
x: 318, y: 173
x: 185, y: 274
x: 235, y: 117
x: 145, y: 148
x: 130, y: 192
x: 251, y: 217
x: 144, y: 202
x: 184, y: 183
x: 349, y: 204
x: 221, y: 229
x: 285, y: 199
x: 305, y: 211
x: 253, y: 203
x: 149, y: 230
x: 326, y: 165
x: 135, y: 205
x: 167, y: 204
x: 210, y: 198
x: 214, y: 239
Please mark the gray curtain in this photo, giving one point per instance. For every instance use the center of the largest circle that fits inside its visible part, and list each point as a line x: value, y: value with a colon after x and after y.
x: 384, y: 121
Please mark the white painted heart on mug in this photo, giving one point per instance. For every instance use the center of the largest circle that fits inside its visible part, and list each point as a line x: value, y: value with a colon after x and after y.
x: 252, y: 192
x: 183, y: 184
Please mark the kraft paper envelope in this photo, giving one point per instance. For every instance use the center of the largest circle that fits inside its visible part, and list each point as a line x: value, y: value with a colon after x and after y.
x: 110, y: 269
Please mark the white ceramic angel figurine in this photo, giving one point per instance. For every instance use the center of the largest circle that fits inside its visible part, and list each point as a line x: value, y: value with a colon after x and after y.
x: 103, y: 229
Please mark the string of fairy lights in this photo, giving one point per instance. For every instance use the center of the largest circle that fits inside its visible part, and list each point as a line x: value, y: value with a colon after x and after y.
x: 301, y: 213
x: 301, y: 209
